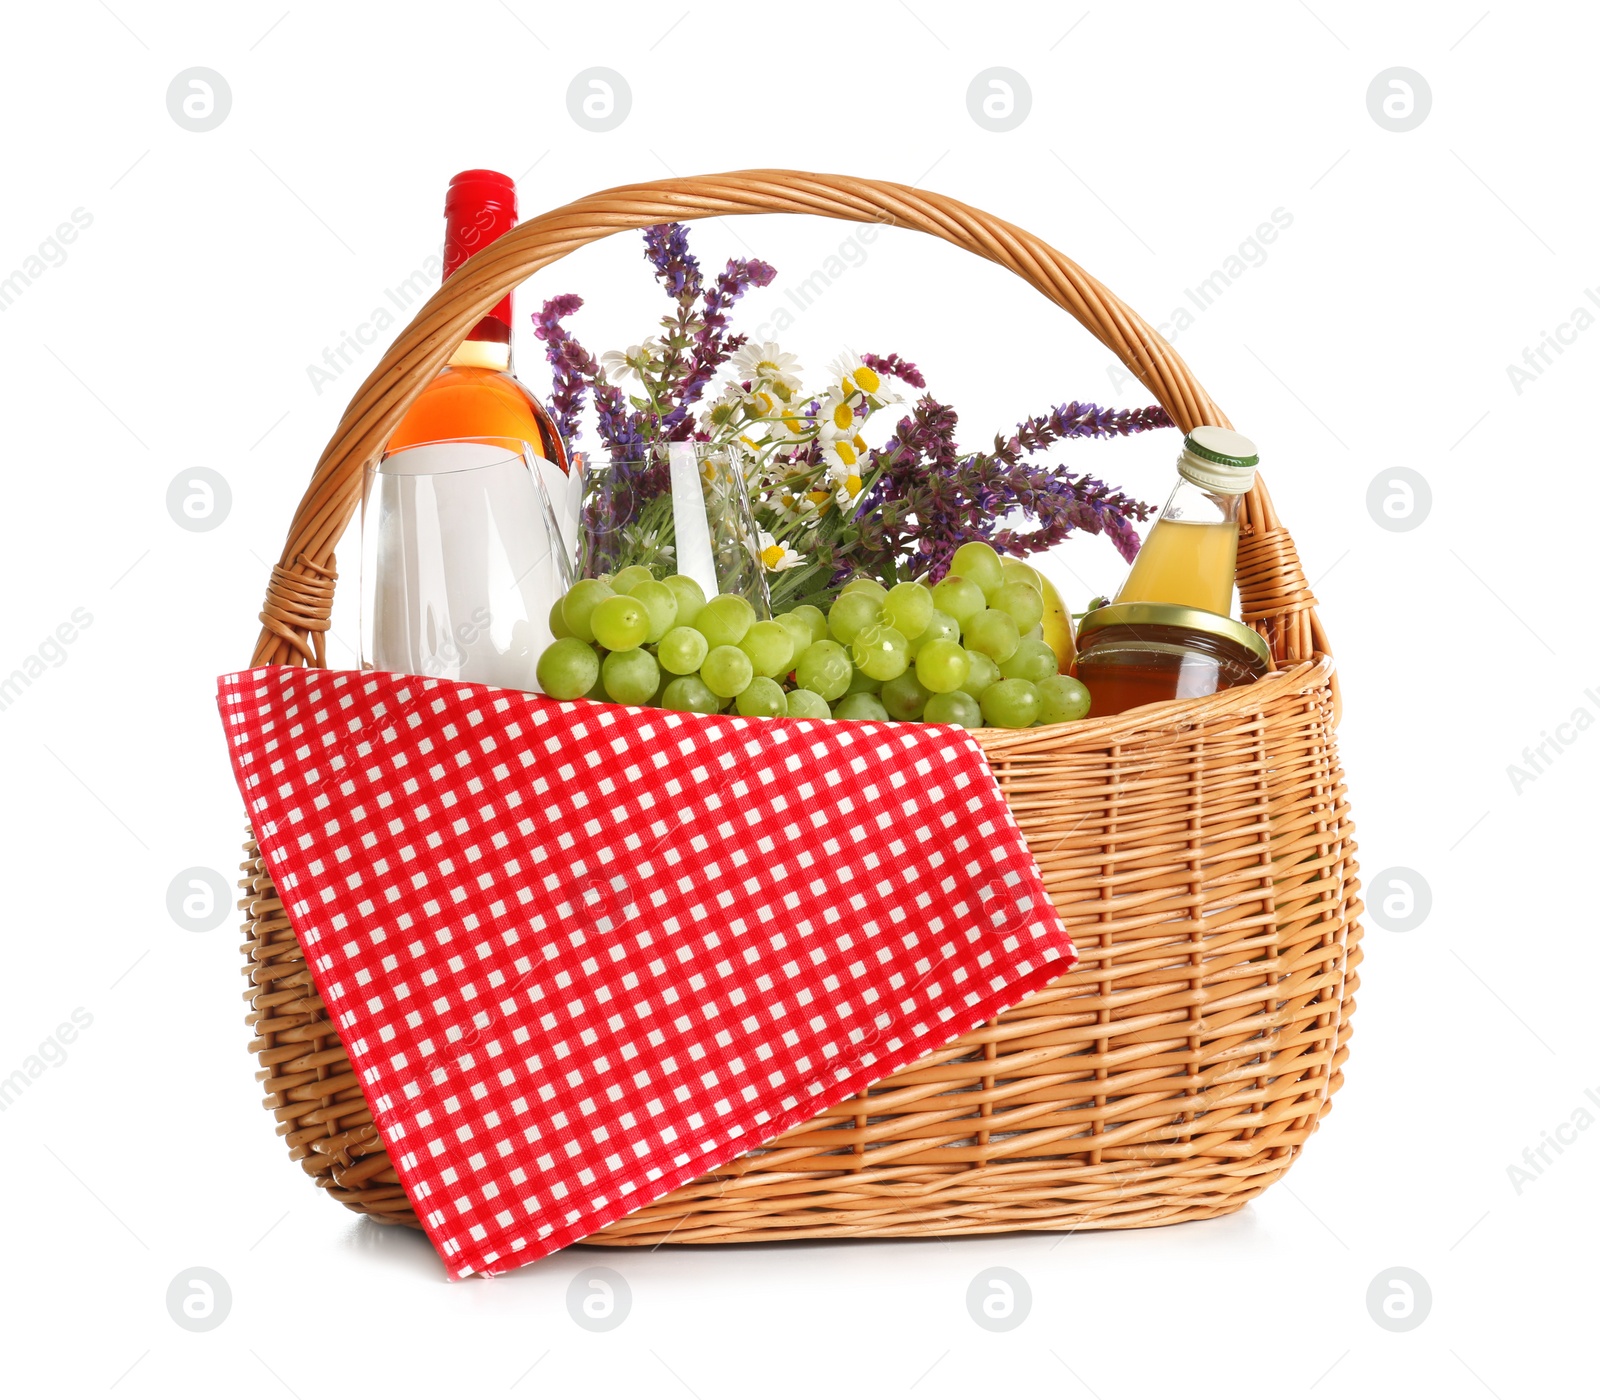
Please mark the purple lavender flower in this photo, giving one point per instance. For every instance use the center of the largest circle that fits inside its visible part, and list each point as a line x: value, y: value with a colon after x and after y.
x: 927, y: 498
x: 666, y: 246
x: 571, y: 366
x: 897, y: 368
x: 574, y: 371
x: 712, y: 346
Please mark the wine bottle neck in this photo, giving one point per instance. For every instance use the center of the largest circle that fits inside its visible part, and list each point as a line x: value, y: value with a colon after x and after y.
x: 479, y: 207
x: 483, y: 354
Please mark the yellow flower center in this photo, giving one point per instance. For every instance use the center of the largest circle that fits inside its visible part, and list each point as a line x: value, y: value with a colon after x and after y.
x: 868, y: 379
x: 843, y: 416
x: 852, y: 484
x: 847, y: 453
x: 772, y: 555
x: 860, y: 443
x: 818, y: 497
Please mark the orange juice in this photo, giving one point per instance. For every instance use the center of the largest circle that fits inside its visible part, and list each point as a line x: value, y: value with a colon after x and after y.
x: 1186, y: 562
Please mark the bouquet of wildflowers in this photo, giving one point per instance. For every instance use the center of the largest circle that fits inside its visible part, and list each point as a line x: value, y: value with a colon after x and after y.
x: 828, y: 502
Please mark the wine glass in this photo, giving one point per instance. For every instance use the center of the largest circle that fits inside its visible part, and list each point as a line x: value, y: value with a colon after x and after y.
x: 461, y: 562
x: 683, y: 508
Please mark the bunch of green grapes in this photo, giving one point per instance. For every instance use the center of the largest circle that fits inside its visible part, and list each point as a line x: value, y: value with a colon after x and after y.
x: 969, y: 651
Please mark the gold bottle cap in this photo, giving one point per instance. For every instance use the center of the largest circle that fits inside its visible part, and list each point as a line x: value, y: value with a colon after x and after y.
x: 1174, y: 615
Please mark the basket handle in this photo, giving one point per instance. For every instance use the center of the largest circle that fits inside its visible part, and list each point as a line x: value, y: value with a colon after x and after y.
x: 1275, y: 598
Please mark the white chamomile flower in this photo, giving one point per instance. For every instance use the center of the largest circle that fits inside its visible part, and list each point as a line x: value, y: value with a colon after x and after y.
x: 845, y: 479
x: 762, y: 403
x: 619, y: 364
x: 767, y: 364
x: 836, y: 414
x: 778, y: 557
x: 790, y: 423
x: 722, y: 410
x: 844, y: 454
x: 853, y: 376
x: 798, y: 509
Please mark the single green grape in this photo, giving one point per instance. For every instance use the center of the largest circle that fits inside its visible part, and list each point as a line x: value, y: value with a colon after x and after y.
x: 865, y: 585
x: 850, y: 613
x: 860, y: 707
x: 941, y: 628
x: 954, y: 707
x: 1062, y: 699
x: 725, y: 620
x: 799, y: 630
x: 862, y: 684
x: 568, y: 668
x: 1011, y: 704
x: 815, y: 619
x: 625, y: 580
x: 881, y: 652
x: 662, y: 605
x: 824, y: 667
x: 726, y: 671
x: 691, y: 597
x: 769, y: 647
x: 905, y: 696
x: 960, y: 597
x: 683, y: 650
x: 981, y: 676
x: 1025, y: 604
x: 558, y: 621
x: 1031, y: 661
x: 994, y: 633
x: 942, y: 666
x: 631, y: 677
x: 908, y: 608
x: 806, y: 704
x: 619, y: 622
x: 691, y: 693
x: 979, y: 562
x: 1014, y: 570
x: 762, y: 698
x: 579, y: 605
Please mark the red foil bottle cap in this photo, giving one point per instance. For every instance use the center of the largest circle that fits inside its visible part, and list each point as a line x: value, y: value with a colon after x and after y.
x: 479, y: 206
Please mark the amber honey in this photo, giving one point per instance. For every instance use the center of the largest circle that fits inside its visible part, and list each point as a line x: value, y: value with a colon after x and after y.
x: 1141, y: 654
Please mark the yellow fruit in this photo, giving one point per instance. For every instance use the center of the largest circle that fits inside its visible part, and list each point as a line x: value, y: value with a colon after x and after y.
x: 1057, y: 624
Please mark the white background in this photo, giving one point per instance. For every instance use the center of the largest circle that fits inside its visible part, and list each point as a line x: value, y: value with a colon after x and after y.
x: 177, y: 333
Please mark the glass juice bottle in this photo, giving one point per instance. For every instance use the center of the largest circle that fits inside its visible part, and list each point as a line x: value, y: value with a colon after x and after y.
x: 1190, y: 555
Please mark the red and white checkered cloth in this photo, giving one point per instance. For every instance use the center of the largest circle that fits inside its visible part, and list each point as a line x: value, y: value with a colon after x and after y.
x: 581, y: 953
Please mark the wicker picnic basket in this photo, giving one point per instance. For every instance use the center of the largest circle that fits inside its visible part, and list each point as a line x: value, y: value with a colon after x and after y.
x: 1200, y: 852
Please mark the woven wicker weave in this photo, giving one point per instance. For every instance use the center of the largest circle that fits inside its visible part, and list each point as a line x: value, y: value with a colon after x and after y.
x: 1200, y: 852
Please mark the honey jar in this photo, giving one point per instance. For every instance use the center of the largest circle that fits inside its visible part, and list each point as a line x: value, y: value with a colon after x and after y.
x: 1141, y: 653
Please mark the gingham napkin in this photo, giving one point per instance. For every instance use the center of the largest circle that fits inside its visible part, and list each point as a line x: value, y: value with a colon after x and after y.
x: 581, y: 953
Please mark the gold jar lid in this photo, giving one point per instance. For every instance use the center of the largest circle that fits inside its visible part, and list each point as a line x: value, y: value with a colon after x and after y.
x: 1173, y: 615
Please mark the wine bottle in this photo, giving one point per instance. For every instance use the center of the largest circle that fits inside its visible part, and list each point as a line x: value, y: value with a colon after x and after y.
x: 465, y: 522
x: 477, y: 395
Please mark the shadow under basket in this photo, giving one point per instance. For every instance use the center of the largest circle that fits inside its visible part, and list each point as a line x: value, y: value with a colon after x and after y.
x: 1200, y: 852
